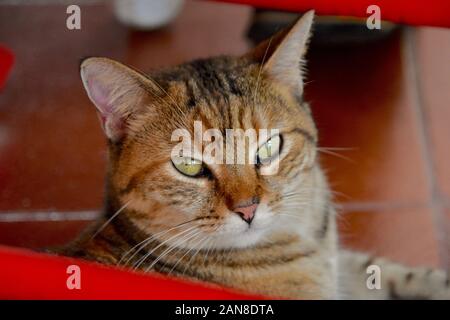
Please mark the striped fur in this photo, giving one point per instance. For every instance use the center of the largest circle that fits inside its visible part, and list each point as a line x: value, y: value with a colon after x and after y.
x: 156, y: 219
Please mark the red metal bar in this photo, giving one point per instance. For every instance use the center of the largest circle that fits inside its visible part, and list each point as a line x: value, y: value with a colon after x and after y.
x: 28, y: 275
x: 426, y: 13
x: 6, y: 63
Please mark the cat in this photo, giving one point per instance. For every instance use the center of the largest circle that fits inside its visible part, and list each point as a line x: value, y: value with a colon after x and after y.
x: 228, y: 224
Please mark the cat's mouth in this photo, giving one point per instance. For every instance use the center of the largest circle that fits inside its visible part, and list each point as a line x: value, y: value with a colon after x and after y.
x: 248, y: 238
x: 257, y: 227
x: 241, y: 235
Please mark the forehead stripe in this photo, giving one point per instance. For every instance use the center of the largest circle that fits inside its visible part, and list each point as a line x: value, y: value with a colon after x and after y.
x: 308, y: 136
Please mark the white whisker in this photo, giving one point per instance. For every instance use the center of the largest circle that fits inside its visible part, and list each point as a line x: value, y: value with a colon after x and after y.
x: 195, y: 253
x: 143, y: 243
x: 142, y: 259
x: 190, y: 236
x: 110, y: 219
x: 260, y: 70
x: 337, y: 155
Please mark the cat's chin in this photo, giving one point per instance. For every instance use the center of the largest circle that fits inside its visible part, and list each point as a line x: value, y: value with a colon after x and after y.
x: 249, y: 237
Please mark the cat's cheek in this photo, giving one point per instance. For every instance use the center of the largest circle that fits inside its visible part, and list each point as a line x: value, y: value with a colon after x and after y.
x: 309, y: 158
x: 263, y: 217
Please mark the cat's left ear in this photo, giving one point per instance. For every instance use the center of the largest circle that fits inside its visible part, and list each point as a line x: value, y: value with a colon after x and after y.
x: 282, y: 55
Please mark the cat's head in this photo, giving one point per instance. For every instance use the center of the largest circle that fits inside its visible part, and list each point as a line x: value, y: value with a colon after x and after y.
x: 199, y: 202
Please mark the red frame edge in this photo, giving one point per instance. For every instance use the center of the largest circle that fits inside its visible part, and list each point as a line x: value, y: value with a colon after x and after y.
x: 25, y: 274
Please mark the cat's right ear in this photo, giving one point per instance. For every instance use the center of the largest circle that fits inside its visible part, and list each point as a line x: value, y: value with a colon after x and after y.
x: 116, y: 90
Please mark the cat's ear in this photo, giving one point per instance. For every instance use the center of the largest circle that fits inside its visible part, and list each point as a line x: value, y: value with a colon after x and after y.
x: 282, y: 55
x: 116, y: 90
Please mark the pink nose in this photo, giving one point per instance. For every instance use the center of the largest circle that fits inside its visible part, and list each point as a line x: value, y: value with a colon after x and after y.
x: 247, y: 213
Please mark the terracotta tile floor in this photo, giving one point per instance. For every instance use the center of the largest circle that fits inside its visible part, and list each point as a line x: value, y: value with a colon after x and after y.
x: 386, y: 103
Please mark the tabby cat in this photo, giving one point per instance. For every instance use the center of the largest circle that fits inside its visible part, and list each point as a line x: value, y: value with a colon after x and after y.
x: 227, y: 224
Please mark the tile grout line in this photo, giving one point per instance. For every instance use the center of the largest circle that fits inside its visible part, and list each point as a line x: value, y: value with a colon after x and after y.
x: 410, y: 55
x: 49, y: 216
x: 49, y: 2
x: 88, y: 215
x: 347, y: 207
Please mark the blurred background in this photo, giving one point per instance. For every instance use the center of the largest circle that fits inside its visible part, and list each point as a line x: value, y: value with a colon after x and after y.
x: 381, y: 101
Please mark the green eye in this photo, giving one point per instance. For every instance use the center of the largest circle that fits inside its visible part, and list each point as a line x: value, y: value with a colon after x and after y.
x: 269, y: 150
x: 189, y: 166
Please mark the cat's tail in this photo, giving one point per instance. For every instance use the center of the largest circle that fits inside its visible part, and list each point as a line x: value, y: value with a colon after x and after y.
x: 364, y: 277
